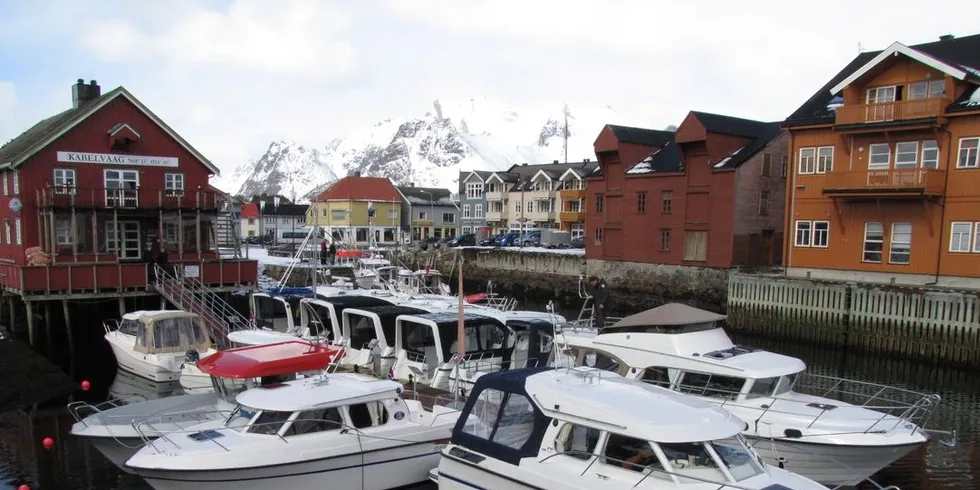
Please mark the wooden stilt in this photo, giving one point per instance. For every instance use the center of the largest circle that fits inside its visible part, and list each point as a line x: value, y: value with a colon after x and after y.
x: 30, y: 322
x: 47, y: 329
x: 10, y: 308
x: 122, y: 306
x: 70, y: 336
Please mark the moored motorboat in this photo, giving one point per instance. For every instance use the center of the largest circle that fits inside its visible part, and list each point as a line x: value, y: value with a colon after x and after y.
x: 154, y: 344
x: 551, y: 429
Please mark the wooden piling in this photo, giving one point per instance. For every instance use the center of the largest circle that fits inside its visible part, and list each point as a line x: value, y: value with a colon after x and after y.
x: 122, y: 306
x: 30, y: 322
x: 70, y: 336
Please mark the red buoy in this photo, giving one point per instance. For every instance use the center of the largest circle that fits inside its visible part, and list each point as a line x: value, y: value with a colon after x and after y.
x: 86, y: 385
x: 23, y: 487
x: 48, y: 443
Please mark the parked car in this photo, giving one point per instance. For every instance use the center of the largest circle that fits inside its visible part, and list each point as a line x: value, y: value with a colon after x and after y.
x: 491, y: 240
x: 508, y: 239
x: 531, y: 238
x: 464, y: 240
x: 578, y: 242
x: 430, y: 242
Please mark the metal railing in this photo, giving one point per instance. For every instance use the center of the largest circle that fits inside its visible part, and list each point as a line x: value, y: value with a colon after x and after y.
x: 64, y: 196
x: 190, y: 294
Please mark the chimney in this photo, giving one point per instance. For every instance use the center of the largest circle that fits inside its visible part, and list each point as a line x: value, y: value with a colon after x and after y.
x: 587, y: 160
x: 946, y: 37
x: 355, y: 173
x: 82, y: 93
x: 411, y: 184
x: 555, y: 161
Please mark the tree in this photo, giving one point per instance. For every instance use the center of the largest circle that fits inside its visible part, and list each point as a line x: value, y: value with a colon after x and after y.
x: 670, y: 127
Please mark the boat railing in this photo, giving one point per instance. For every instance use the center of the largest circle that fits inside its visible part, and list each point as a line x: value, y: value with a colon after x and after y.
x: 489, y: 364
x: 80, y: 410
x: 415, y: 356
x: 645, y: 471
x: 110, y: 325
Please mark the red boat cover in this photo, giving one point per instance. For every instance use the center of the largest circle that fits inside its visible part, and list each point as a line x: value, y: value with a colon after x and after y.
x: 257, y: 361
x: 475, y: 297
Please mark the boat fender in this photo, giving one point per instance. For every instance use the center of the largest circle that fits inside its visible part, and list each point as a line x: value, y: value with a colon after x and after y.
x: 793, y: 433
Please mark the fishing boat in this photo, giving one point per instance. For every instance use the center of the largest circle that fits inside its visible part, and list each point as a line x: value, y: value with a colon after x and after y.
x: 582, y: 428
x: 342, y: 430
x: 110, y: 426
x: 154, y: 344
x: 833, y: 430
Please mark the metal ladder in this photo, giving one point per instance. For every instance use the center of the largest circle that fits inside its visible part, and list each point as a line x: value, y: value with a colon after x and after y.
x: 227, y: 236
x: 190, y: 294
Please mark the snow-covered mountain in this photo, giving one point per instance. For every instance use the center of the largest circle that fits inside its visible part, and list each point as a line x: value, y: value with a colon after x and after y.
x: 429, y: 150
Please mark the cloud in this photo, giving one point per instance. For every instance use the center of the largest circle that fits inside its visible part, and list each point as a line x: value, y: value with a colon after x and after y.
x: 285, y: 37
x: 8, y: 105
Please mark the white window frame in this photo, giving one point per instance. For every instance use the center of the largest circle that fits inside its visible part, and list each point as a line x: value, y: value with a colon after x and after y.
x: 17, y: 231
x: 8, y: 231
x: 820, y: 233
x: 474, y: 190
x: 64, y: 180
x: 63, y: 232
x: 864, y: 243
x: 968, y: 233
x: 6, y: 179
x: 825, y: 160
x: 976, y: 237
x: 892, y: 241
x: 930, y: 153
x: 171, y: 179
x: 885, y: 100
x: 598, y: 236
x: 423, y: 216
x: 478, y: 210
x: 466, y: 211
x: 803, y: 239
x: 914, y: 152
x: 808, y: 161
x: 16, y: 175
x: 928, y: 89
x: 887, y: 164
x: 972, y: 155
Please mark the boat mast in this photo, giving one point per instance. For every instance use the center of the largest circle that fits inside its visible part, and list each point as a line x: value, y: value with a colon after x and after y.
x: 460, y: 334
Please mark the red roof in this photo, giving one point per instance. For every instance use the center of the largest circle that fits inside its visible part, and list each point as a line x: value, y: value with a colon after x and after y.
x: 250, y: 210
x: 256, y: 361
x: 354, y: 188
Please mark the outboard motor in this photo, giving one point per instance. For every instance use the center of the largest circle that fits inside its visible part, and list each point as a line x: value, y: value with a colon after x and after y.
x: 192, y: 356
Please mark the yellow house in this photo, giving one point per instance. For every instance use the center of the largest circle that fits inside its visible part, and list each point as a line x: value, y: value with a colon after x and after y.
x: 358, y: 210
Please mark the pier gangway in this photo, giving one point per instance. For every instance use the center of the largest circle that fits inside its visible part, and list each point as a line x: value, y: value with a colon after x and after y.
x: 190, y: 294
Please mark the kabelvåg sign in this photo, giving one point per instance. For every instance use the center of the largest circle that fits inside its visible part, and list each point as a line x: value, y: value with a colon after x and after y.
x: 113, y: 159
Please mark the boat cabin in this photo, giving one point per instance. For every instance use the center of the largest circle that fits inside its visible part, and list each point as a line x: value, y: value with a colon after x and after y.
x: 278, y: 309
x: 370, y: 330
x: 323, y: 317
x: 534, y: 342
x: 260, y: 365
x: 426, y: 281
x: 426, y: 346
x: 577, y: 423
x: 165, y: 331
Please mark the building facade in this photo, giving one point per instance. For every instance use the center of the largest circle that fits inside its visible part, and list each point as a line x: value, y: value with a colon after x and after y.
x: 88, y: 191
x: 275, y: 217
x: 429, y: 212
x: 705, y: 195
x: 251, y: 224
x: 473, y: 202
x: 359, y: 211
x: 885, y: 177
x: 529, y: 197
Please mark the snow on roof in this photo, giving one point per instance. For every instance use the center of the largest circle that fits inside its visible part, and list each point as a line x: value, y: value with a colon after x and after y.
x: 974, y: 99
x: 644, y: 166
x: 729, y: 157
x: 971, y: 70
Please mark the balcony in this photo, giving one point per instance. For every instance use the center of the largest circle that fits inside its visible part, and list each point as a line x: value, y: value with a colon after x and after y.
x: 572, y: 195
x: 496, y: 196
x: 902, y: 182
x: 892, y: 113
x: 541, y: 195
x: 571, y: 216
x: 540, y: 215
x: 496, y: 216
x: 142, y: 198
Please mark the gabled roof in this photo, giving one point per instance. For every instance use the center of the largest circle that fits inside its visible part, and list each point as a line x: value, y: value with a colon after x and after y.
x: 284, y: 209
x: 582, y: 172
x: 480, y: 174
x: 963, y: 52
x: 547, y: 174
x: 250, y: 210
x: 895, y: 49
x: 497, y: 175
x: 426, y: 195
x: 357, y: 188
x: 641, y: 136
x: 734, y: 126
x: 767, y: 135
x: 664, y: 160
x: 42, y: 134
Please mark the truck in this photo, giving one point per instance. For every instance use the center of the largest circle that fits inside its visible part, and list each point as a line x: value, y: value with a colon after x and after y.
x: 551, y: 238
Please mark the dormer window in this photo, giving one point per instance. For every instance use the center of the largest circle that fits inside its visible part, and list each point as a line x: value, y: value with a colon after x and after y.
x: 933, y: 89
x: 122, y: 138
x: 122, y: 145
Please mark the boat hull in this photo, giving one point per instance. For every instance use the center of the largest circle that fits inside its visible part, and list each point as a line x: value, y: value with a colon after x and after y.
x: 829, y: 464
x: 117, y: 450
x: 377, y: 470
x: 138, y: 364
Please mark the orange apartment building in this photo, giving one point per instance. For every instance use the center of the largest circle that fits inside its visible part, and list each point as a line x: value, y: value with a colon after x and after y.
x: 885, y: 181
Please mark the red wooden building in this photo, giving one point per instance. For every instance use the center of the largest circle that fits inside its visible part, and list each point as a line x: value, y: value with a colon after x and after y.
x: 96, y: 186
x: 709, y: 194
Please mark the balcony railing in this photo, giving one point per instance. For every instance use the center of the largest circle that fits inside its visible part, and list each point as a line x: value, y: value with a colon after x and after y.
x: 540, y: 215
x: 571, y: 195
x: 140, y: 197
x: 895, y: 182
x: 902, y: 110
x: 571, y: 216
x: 496, y: 196
x: 496, y: 216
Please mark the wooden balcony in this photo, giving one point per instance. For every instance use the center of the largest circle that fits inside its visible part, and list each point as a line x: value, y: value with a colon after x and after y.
x: 572, y: 195
x: 142, y: 198
x: 903, y: 182
x: 571, y: 216
x: 897, y: 113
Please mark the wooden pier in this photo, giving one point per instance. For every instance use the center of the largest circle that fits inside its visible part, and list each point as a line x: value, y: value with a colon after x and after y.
x: 924, y: 324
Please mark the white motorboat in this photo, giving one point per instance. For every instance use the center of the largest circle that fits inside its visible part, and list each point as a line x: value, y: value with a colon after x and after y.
x: 837, y: 432
x: 342, y: 430
x: 155, y: 343
x: 110, y: 426
x: 580, y: 428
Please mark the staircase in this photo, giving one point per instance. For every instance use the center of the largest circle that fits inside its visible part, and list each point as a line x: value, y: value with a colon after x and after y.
x: 227, y: 236
x: 189, y: 294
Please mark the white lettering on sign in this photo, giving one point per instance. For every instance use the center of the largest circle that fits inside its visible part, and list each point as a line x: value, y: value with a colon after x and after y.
x: 111, y: 159
x: 192, y: 271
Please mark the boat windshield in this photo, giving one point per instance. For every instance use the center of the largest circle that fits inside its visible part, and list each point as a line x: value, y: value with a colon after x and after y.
x: 240, y: 417
x: 695, y: 459
x: 227, y: 389
x: 775, y: 386
x: 737, y: 458
x: 129, y: 327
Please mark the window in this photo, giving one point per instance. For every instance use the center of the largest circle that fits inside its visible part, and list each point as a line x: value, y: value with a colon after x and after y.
x: 370, y: 414
x: 466, y: 211
x: 515, y: 423
x: 659, y: 376
x: 392, y: 214
x: 423, y: 215
x: 577, y: 441
x: 968, y: 153
x: 959, y: 236
x: 696, y: 246
x: 63, y: 232
x: 700, y: 464
x: 785, y: 168
x: 907, y: 154
x: 170, y: 233
x: 517, y: 207
x: 901, y: 243
x: 821, y: 234
x: 766, y: 164
x: 930, y: 154
x: 449, y: 217
x: 269, y: 422
x: 666, y: 197
x: 874, y: 238
x: 641, y: 202
x: 530, y: 206
x: 474, y: 190
x: 763, y: 203
x: 598, y: 203
x: 316, y: 420
x: 5, y: 181
x: 881, y: 95
x: 711, y: 385
x: 251, y: 221
x: 486, y: 410
x: 803, y: 233
x: 664, y: 240
x: 64, y: 180
x: 927, y: 90
x: 16, y: 178
x: 633, y: 454
x: 808, y: 160
x: 578, y: 230
x: 976, y: 238
x: 173, y: 182
x: 598, y: 236
x: 17, y: 230
x: 477, y: 210
x: 7, y: 231
x: 879, y: 156
x: 338, y: 214
x: 825, y: 159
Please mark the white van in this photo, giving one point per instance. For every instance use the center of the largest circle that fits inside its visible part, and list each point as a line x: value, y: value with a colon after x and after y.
x: 296, y: 236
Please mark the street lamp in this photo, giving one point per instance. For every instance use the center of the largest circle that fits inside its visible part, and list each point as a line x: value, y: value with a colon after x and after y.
x: 275, y: 202
x: 262, y: 220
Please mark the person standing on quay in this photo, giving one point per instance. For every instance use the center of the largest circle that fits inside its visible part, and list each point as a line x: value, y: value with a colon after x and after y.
x: 600, y: 297
x: 332, y: 252
x: 323, y: 252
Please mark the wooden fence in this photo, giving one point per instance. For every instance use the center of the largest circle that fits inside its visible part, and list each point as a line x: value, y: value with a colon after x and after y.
x: 917, y: 323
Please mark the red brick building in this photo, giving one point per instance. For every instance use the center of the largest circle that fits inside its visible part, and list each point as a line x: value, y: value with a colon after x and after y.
x: 710, y: 194
x: 94, y: 187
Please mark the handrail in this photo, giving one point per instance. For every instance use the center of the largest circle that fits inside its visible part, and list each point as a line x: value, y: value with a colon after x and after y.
x: 190, y: 294
x: 646, y: 472
x: 141, y: 196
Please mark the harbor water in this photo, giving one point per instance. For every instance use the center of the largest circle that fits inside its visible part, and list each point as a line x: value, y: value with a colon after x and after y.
x: 73, y: 465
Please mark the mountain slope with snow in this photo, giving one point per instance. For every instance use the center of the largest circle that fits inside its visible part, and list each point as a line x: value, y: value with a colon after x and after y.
x: 429, y: 150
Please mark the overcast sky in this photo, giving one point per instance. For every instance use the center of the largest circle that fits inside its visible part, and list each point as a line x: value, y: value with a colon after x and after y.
x: 232, y: 75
